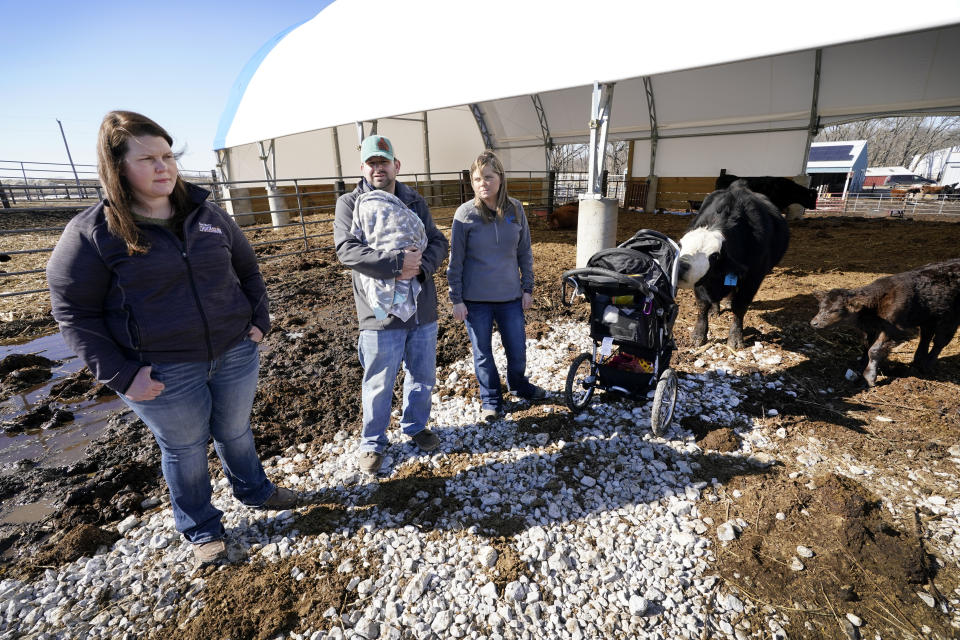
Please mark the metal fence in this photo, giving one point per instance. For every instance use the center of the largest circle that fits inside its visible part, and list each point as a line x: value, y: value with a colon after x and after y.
x: 40, y: 183
x: 295, y: 216
x: 286, y: 217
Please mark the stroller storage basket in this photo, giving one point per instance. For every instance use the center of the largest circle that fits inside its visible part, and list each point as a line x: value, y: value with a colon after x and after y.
x: 632, y: 382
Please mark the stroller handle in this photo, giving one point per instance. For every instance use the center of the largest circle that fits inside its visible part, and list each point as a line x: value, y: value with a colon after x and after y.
x: 573, y: 276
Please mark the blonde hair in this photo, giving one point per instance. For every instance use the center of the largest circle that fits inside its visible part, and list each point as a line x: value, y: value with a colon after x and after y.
x: 116, y: 130
x: 489, y: 159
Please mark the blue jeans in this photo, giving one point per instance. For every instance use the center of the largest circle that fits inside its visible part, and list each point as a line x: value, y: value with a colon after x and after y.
x: 201, y: 400
x: 511, y: 325
x: 381, y: 354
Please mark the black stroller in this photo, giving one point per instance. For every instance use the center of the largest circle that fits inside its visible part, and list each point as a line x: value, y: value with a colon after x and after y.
x: 631, y: 290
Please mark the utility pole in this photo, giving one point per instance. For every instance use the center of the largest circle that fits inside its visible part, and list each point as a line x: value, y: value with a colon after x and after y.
x: 70, y: 158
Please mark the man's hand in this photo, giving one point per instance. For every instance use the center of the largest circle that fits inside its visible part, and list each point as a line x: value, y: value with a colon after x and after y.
x: 459, y: 311
x: 144, y: 387
x: 411, y: 263
x: 527, y: 301
x: 255, y: 334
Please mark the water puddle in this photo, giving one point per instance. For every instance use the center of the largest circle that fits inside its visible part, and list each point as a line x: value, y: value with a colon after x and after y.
x: 61, y: 445
x: 28, y: 513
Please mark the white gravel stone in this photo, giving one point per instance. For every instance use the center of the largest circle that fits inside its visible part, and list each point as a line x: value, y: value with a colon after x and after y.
x: 727, y: 531
x: 638, y: 606
x: 487, y: 557
x: 927, y: 598
x: 127, y: 524
x: 854, y: 620
x: 804, y: 552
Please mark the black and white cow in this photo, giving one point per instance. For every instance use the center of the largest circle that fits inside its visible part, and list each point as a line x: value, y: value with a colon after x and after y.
x: 734, y: 241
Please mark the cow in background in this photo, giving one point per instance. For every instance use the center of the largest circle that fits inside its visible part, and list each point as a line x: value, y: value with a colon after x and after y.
x: 733, y: 242
x: 783, y: 192
x: 564, y: 216
x: 889, y: 310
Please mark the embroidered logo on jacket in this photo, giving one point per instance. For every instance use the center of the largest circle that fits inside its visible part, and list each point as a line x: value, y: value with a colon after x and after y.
x: 209, y: 228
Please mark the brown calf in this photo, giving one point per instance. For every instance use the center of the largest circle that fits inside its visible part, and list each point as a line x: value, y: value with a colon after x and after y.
x: 564, y: 217
x: 889, y: 309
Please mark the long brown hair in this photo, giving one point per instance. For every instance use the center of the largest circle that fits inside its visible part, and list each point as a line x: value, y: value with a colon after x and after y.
x: 115, y: 132
x: 489, y: 159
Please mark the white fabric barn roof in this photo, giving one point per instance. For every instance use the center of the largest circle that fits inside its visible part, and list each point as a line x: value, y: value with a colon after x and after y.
x: 715, y: 69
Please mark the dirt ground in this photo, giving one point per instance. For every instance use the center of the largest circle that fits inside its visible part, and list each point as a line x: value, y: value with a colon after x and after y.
x: 309, y: 391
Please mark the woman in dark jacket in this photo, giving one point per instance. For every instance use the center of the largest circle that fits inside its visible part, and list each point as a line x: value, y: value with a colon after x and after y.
x: 159, y: 293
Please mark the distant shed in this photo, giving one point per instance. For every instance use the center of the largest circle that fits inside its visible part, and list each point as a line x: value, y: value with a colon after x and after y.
x: 838, y: 167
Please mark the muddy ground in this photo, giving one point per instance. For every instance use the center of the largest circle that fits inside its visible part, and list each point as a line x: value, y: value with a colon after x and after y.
x: 310, y: 385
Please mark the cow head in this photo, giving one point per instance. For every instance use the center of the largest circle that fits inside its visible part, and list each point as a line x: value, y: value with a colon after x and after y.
x: 700, y: 250
x: 836, y: 305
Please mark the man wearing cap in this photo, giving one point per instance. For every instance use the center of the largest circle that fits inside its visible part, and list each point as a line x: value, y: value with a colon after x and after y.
x: 387, y: 342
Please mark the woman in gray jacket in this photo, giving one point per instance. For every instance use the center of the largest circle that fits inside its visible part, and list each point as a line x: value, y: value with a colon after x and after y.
x: 491, y: 279
x: 159, y: 293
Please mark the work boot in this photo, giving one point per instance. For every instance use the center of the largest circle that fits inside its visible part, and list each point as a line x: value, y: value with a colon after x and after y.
x: 280, y: 500
x: 426, y: 440
x: 210, y: 552
x: 369, y: 461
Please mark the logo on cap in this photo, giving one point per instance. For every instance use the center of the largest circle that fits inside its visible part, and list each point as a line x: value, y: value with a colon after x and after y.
x: 382, y: 144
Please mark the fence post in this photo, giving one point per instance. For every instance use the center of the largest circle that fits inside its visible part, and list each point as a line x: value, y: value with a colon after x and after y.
x: 215, y: 188
x: 551, y: 186
x: 26, y: 183
x: 604, y: 175
x: 464, y: 181
x: 3, y: 197
x: 303, y: 223
x: 340, y: 187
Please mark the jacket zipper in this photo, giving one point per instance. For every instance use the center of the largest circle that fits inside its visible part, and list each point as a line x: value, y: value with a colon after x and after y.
x: 193, y: 285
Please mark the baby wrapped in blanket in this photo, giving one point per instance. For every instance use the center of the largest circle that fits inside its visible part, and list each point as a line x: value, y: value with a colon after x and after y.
x: 382, y: 221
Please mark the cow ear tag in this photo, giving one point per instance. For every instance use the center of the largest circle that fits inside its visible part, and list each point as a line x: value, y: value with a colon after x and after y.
x: 730, y: 280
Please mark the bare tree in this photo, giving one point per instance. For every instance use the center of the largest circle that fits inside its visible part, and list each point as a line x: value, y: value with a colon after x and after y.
x: 896, y: 141
x: 576, y: 157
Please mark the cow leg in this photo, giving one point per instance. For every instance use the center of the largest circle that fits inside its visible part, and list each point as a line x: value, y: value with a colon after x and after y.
x: 942, y: 336
x: 869, y: 337
x: 876, y: 354
x: 735, y: 339
x: 700, y: 328
x: 920, y: 357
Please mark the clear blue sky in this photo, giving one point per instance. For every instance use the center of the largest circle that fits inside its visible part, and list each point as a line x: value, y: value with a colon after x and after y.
x: 173, y: 61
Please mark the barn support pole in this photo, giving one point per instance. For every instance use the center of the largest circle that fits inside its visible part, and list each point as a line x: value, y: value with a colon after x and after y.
x: 278, y: 213
x: 814, y: 126
x: 428, y: 187
x: 340, y: 187
x: 547, y: 148
x: 651, y: 204
x: 359, y: 135
x: 482, y: 125
x: 597, y: 218
x: 239, y: 208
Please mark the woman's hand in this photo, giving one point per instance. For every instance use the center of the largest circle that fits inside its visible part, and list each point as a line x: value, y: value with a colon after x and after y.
x: 459, y: 311
x: 255, y: 334
x: 144, y: 387
x: 527, y: 301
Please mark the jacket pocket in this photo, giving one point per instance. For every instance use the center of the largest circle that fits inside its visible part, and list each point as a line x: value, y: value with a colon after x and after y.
x: 133, y: 329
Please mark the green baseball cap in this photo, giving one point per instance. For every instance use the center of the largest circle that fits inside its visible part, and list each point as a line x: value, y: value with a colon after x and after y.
x: 373, y: 146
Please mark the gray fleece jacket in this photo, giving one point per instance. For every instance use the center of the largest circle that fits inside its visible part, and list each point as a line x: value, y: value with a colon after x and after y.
x: 489, y: 261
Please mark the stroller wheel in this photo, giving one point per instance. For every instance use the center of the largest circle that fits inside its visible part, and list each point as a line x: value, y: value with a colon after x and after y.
x: 664, y: 400
x: 581, y: 381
